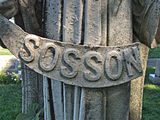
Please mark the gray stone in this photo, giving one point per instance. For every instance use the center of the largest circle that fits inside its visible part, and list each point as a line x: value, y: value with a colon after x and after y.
x: 103, y: 23
x: 146, y: 21
x: 8, y: 8
x: 9, y: 63
x: 152, y: 62
x: 157, y: 71
x: 79, y: 76
x: 155, y: 78
x: 136, y: 97
x: 52, y: 30
x: 13, y: 66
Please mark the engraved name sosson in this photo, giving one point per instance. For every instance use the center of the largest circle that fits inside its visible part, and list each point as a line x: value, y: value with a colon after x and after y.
x: 69, y: 61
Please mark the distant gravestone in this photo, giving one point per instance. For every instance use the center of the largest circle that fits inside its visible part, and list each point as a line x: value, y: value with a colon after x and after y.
x: 9, y: 63
x: 13, y: 65
x: 155, y: 78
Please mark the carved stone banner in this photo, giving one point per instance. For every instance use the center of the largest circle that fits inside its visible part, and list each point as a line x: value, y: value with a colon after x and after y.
x: 86, y: 66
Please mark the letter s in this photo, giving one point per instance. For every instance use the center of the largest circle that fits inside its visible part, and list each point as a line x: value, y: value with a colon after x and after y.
x: 69, y: 70
x: 95, y: 72
x: 27, y: 54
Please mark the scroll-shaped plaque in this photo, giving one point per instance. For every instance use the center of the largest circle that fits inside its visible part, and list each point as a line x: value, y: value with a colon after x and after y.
x: 86, y: 66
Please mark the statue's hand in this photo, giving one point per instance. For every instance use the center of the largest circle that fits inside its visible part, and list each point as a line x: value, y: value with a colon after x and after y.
x: 115, y: 6
x: 146, y: 17
x: 8, y: 8
x: 27, y: 3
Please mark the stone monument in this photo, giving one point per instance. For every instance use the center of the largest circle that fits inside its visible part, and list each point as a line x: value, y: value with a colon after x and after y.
x: 155, y: 78
x: 89, y: 58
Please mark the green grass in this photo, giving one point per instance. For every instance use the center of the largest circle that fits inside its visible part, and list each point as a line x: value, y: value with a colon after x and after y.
x: 154, y: 53
x: 151, y: 98
x: 4, y: 51
x: 151, y: 102
x: 10, y: 101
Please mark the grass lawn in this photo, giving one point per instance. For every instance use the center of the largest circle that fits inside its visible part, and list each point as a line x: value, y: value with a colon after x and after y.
x: 4, y: 51
x: 151, y: 99
x: 154, y: 53
x: 10, y: 101
x: 151, y: 96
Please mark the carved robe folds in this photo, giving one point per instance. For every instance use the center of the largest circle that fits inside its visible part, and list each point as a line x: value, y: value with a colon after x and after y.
x: 89, y: 23
x: 146, y: 14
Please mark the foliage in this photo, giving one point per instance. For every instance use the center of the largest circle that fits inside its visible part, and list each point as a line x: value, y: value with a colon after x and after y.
x: 19, y: 67
x: 9, y: 77
x: 151, y: 102
x: 10, y: 101
x: 151, y: 98
x: 4, y: 51
x: 154, y: 53
x: 33, y: 113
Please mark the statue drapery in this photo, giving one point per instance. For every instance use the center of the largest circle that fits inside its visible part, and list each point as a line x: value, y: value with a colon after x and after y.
x: 145, y: 17
x: 144, y: 30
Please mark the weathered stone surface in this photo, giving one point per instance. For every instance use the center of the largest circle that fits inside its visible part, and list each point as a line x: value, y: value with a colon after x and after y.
x: 8, y: 8
x: 135, y: 112
x: 157, y: 71
x: 53, y: 9
x: 155, y: 78
x: 32, y: 91
x: 9, y: 63
x: 119, y: 33
x: 152, y: 62
x: 59, y: 60
x: 146, y: 21
x: 116, y: 12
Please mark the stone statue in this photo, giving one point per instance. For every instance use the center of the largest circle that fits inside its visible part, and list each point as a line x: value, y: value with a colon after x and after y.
x: 145, y: 16
x: 146, y: 21
x: 114, y: 28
